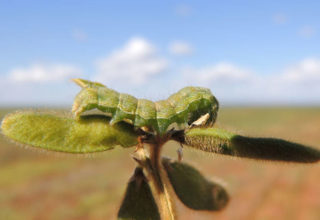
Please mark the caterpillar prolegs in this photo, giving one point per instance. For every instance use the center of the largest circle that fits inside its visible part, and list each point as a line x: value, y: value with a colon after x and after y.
x: 180, y: 109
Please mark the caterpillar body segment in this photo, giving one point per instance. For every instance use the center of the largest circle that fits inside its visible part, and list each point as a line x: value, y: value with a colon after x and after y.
x: 146, y: 114
x: 126, y: 108
x: 166, y: 115
x: 106, y: 100
x: 179, y: 110
x: 86, y: 83
x: 190, y: 103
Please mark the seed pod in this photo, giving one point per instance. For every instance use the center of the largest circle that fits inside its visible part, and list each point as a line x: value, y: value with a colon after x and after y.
x: 180, y: 109
x: 138, y: 202
x: 193, y: 189
x: 222, y: 142
x: 86, y: 135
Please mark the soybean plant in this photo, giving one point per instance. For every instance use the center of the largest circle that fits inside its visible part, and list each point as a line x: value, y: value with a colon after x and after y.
x: 186, y: 117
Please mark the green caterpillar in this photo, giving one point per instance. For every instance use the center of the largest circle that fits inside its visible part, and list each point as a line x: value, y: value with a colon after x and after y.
x: 180, y: 110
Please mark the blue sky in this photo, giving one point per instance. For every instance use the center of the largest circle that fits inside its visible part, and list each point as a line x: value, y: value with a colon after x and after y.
x: 246, y: 52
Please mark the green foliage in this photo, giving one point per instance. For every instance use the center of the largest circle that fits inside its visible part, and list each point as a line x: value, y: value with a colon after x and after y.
x: 138, y: 202
x: 86, y: 135
x: 193, y: 189
x: 222, y: 142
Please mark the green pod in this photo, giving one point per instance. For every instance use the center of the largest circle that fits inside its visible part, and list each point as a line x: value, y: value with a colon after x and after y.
x: 180, y: 109
x: 138, y: 202
x: 87, y: 135
x: 193, y: 189
x: 223, y: 142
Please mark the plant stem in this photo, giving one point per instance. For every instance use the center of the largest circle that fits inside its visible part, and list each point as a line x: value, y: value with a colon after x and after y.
x: 161, y: 188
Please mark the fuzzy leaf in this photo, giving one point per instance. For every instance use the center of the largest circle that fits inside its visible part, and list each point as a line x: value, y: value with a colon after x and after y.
x: 138, y: 202
x: 65, y: 134
x: 222, y: 142
x: 193, y: 189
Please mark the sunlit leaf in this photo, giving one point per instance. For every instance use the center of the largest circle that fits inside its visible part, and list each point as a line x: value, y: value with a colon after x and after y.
x: 222, y: 142
x: 193, y: 189
x: 138, y: 202
x: 88, y: 134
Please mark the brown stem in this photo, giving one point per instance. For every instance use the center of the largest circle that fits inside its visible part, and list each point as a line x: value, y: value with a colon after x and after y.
x: 160, y: 183
x: 158, y: 179
x: 155, y: 150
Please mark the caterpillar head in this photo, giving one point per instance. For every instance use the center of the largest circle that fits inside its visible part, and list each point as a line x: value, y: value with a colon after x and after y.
x: 205, y: 115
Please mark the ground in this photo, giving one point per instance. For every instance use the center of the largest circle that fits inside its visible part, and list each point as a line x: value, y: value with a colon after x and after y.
x: 37, y: 185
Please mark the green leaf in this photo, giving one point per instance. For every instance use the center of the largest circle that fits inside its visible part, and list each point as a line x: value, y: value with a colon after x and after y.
x: 138, y: 202
x: 222, y: 142
x: 193, y: 189
x: 65, y: 134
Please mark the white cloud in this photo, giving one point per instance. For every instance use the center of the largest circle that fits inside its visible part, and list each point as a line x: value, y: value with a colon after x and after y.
x: 222, y: 72
x: 306, y: 71
x: 180, y: 48
x: 136, y: 62
x: 307, y: 31
x: 297, y: 83
x: 79, y: 35
x: 280, y: 18
x: 41, y: 73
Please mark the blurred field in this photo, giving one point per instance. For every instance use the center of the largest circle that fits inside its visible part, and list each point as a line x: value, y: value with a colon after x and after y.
x: 36, y: 185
